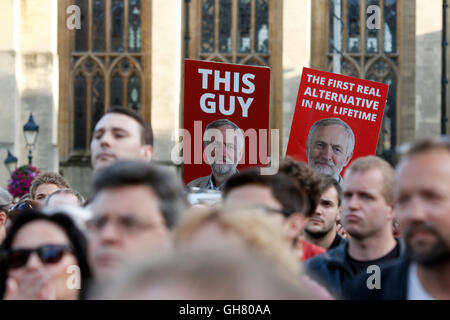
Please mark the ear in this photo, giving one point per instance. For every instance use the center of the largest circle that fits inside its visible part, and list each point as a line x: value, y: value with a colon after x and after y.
x: 3, y: 218
x: 392, y: 213
x: 147, y: 152
x: 339, y: 214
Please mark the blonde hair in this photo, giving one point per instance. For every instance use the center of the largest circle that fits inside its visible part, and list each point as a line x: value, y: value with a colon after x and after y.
x: 256, y: 228
x: 48, y: 178
x: 368, y: 163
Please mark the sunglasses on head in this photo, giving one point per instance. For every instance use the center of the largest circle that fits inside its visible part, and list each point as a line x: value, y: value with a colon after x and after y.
x: 49, y: 254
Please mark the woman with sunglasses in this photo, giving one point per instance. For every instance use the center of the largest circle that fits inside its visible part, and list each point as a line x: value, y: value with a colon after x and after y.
x: 44, y: 257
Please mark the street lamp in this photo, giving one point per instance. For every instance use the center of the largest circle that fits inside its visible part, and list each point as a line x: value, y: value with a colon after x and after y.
x: 31, y: 130
x: 10, y: 162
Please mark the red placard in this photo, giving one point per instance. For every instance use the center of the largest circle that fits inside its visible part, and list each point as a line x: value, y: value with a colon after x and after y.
x: 214, y: 91
x: 357, y: 102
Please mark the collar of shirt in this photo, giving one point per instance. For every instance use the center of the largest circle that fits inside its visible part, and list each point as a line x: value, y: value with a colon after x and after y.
x: 212, y: 186
x: 415, y: 289
x: 340, y: 180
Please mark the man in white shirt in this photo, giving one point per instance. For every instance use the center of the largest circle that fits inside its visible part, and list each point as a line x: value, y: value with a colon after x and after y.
x: 422, y: 204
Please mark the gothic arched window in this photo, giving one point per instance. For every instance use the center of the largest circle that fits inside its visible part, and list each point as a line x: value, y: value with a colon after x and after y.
x: 235, y: 31
x: 107, y: 65
x: 369, y: 51
x: 241, y: 32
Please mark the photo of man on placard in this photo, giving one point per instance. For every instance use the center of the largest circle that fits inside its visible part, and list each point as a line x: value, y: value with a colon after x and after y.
x: 230, y: 149
x: 330, y: 146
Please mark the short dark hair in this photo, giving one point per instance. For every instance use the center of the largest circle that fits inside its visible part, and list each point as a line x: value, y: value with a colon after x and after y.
x: 307, y: 180
x: 76, y: 238
x: 123, y: 173
x: 329, y: 182
x: 146, y: 133
x: 48, y: 178
x: 283, y: 188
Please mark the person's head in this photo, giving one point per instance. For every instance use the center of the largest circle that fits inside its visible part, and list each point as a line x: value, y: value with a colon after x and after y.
x: 278, y: 194
x: 224, y: 144
x: 121, y: 134
x: 47, y: 248
x: 5, y: 204
x: 26, y: 196
x: 367, y: 202
x: 45, y: 184
x: 224, y: 273
x: 308, y: 181
x: 328, y: 211
x: 64, y: 197
x: 330, y: 145
x: 135, y: 204
x: 422, y: 200
x: 252, y: 229
x: 79, y: 215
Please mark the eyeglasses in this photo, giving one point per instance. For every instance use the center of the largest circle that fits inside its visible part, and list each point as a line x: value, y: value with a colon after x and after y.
x: 128, y: 224
x: 49, y: 254
x: 284, y: 211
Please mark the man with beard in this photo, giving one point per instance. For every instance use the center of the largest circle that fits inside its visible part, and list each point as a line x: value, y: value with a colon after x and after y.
x: 135, y: 205
x: 422, y: 202
x: 224, y: 145
x: 329, y: 147
x: 367, y: 215
x: 321, y: 230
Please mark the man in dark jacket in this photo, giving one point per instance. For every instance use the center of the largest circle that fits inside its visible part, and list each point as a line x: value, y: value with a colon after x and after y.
x: 422, y: 201
x: 367, y: 215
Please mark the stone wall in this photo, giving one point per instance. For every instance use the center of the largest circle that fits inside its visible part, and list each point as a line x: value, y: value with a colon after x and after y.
x: 9, y: 98
x: 296, y: 55
x: 28, y: 80
x: 428, y: 67
x: 166, y: 74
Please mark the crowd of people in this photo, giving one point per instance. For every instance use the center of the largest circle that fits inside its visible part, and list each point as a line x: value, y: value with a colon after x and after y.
x: 375, y: 232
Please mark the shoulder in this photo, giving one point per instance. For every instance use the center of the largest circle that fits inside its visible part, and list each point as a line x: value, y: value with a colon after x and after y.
x: 324, y: 262
x: 390, y: 285
x: 328, y: 269
x: 316, y: 261
x: 199, y: 182
x: 324, y: 258
x: 335, y: 253
x: 311, y: 250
